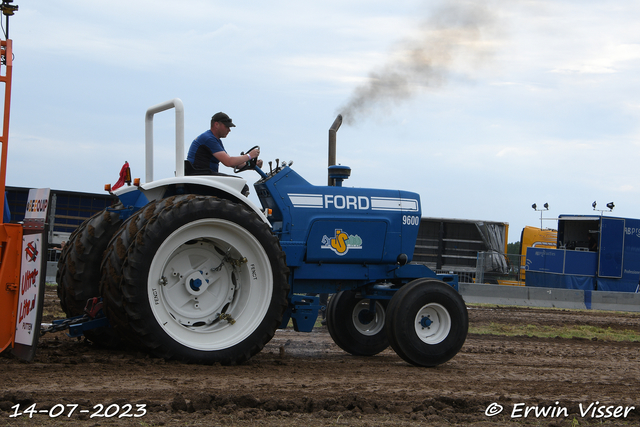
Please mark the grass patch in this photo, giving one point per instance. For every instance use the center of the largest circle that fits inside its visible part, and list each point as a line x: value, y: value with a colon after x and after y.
x: 521, y: 307
x: 564, y: 331
x: 55, y: 312
x: 53, y: 309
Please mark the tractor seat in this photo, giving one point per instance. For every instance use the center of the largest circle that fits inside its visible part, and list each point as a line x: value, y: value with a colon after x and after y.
x: 189, y: 170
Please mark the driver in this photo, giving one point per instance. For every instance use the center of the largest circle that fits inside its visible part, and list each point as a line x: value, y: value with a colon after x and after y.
x: 207, y: 150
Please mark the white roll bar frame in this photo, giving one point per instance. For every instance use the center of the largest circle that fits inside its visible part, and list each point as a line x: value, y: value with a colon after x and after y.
x: 148, y: 136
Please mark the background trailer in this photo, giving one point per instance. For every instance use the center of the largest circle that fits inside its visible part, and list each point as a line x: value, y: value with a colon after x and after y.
x: 593, y: 253
x: 452, y: 245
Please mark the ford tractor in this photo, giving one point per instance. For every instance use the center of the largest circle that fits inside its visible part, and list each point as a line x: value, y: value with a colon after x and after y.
x: 188, y: 268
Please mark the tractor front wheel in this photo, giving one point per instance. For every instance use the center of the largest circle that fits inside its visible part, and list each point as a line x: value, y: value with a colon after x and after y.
x: 356, y: 324
x: 427, y: 322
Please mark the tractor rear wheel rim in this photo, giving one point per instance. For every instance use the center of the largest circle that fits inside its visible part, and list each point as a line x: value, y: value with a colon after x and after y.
x: 210, y: 284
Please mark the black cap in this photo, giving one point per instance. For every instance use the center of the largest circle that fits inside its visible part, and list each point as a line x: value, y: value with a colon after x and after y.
x: 222, y: 118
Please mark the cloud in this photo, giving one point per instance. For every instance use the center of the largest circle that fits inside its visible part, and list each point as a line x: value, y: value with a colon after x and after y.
x: 606, y: 60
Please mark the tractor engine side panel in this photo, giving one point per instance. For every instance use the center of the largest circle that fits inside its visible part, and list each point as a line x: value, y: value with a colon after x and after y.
x: 340, y: 224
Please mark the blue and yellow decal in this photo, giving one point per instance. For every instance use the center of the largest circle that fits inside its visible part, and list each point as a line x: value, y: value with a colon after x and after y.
x: 342, y: 242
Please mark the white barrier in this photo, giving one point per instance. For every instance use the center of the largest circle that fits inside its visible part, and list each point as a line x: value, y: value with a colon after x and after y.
x: 549, y: 297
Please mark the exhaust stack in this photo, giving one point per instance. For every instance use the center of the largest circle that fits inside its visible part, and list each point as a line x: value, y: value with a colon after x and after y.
x: 332, y: 145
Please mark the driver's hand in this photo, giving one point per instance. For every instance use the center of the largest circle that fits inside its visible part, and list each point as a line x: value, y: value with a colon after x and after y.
x: 254, y: 153
x: 259, y: 163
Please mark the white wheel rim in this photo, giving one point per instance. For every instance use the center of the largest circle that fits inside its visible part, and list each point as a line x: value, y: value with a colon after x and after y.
x: 432, y: 323
x: 362, y: 321
x: 187, y: 295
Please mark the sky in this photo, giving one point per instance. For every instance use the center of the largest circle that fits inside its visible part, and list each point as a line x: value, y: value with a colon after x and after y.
x: 481, y: 107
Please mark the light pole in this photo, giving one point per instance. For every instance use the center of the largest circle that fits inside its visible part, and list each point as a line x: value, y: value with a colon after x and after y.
x: 610, y: 205
x: 546, y: 208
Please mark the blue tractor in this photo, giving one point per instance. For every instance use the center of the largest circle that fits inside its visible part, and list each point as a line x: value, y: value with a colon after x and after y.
x: 188, y: 268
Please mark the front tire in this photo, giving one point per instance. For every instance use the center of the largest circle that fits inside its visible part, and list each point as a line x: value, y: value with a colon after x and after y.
x: 427, y: 322
x: 354, y: 327
x: 202, y: 281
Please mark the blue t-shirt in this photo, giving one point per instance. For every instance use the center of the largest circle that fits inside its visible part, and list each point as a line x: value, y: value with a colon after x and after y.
x: 202, y: 150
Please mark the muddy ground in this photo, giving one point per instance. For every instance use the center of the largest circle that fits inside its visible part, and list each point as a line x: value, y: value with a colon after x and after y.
x: 305, y: 380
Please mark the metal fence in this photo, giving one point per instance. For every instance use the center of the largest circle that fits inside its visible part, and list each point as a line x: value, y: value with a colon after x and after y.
x: 463, y: 276
x: 490, y: 271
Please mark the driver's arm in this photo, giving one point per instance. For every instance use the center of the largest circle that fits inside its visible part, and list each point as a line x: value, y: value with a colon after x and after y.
x: 234, y: 161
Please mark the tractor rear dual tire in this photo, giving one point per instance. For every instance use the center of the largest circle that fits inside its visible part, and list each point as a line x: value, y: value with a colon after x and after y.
x: 78, y: 274
x: 196, y: 279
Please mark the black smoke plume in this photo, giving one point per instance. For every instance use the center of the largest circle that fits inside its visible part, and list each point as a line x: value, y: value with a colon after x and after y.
x: 454, y: 40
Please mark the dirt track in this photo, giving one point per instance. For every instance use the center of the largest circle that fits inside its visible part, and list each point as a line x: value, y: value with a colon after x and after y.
x: 305, y: 379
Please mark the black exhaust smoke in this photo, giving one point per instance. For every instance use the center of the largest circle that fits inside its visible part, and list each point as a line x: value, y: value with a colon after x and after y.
x: 455, y: 40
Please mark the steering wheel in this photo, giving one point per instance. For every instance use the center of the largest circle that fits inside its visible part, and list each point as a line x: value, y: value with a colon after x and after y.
x: 251, y: 164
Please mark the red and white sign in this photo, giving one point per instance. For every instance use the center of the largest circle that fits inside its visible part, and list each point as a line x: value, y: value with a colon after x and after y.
x: 30, y: 272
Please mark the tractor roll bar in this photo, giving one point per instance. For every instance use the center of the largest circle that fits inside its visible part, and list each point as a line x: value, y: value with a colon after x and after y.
x: 148, y: 136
